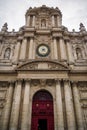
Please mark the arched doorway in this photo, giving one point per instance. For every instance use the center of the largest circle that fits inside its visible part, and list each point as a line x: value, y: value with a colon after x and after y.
x: 42, y: 111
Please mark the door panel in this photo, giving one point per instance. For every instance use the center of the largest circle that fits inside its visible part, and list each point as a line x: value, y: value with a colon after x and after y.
x: 42, y: 114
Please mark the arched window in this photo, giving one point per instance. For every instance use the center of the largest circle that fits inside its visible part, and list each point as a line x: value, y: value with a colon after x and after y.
x: 79, y: 53
x: 7, y: 53
x: 43, y: 23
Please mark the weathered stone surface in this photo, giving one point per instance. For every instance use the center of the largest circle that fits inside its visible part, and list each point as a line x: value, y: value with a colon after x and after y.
x: 43, y: 56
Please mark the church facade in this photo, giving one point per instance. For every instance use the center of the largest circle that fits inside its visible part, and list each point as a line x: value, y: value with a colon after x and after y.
x: 43, y: 74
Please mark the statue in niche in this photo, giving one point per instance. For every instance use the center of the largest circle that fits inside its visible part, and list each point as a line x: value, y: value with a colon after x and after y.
x: 7, y: 53
x: 78, y: 53
x: 43, y: 23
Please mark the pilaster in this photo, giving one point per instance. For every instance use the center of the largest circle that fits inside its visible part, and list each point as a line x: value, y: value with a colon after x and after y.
x: 16, y: 106
x: 69, y: 106
x: 53, y: 22
x: 62, y: 49
x: 77, y: 104
x: 23, y: 49
x: 31, y: 49
x: 70, y: 53
x: 25, y: 111
x: 28, y: 21
x: 55, y: 48
x: 17, y: 48
x: 33, y: 22
x: 60, y: 121
x: 7, y: 109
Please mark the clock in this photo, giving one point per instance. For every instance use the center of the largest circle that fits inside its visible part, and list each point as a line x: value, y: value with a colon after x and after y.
x: 43, y: 50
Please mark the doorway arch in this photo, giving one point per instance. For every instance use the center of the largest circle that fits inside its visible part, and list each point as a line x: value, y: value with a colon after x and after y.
x: 42, y: 111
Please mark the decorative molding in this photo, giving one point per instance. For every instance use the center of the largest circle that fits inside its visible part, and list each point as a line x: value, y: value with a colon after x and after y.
x: 42, y: 82
x: 50, y: 65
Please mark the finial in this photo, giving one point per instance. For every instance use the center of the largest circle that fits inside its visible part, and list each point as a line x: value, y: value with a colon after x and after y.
x: 4, y: 28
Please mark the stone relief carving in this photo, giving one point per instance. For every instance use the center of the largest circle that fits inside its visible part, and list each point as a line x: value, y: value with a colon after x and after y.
x: 42, y: 82
x: 29, y: 67
x: 56, y: 66
x: 48, y: 65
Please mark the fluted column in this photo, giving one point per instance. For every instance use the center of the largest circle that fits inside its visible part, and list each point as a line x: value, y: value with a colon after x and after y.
x: 62, y: 50
x: 16, y: 106
x: 69, y: 106
x: 53, y: 21
x: 7, y: 109
x: 23, y: 49
x: 28, y: 21
x: 55, y: 49
x: 31, y: 49
x: 70, y: 53
x: 17, y: 48
x: 60, y: 121
x: 25, y: 111
x: 33, y: 22
x: 77, y: 107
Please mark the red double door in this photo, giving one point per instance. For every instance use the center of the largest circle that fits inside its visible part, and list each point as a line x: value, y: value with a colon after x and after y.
x: 42, y: 112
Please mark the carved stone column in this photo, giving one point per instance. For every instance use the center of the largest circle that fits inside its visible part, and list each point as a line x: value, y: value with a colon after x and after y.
x: 55, y: 49
x: 23, y: 49
x: 31, y: 53
x: 69, y: 106
x: 33, y: 22
x: 59, y: 21
x: 1, y: 46
x: 25, y: 111
x: 60, y: 121
x: 53, y: 21
x: 69, y: 52
x: 16, y: 53
x: 7, y: 109
x: 77, y: 107
x: 16, y: 106
x: 28, y: 21
x: 62, y: 50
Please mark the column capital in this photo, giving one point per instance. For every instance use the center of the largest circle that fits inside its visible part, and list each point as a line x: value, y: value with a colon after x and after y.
x: 11, y: 82
x: 74, y: 82
x: 57, y: 80
x: 19, y: 80
x: 66, y: 80
x: 27, y: 80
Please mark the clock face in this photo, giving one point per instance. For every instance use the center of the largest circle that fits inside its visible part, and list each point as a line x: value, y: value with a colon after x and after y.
x: 43, y: 50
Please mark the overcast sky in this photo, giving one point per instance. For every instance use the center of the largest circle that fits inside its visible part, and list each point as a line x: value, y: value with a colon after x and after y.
x: 13, y: 12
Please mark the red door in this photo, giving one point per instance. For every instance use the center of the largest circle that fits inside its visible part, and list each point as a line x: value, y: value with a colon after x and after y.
x: 42, y: 111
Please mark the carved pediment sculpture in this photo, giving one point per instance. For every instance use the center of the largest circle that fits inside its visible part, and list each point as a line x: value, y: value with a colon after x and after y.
x: 42, y: 65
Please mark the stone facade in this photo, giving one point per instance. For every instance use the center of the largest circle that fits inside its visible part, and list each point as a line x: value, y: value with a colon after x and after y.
x: 43, y: 56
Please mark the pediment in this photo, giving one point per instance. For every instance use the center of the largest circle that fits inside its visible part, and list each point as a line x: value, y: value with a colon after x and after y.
x: 42, y: 65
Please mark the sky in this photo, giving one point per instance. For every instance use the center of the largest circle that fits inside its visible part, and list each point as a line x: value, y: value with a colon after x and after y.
x: 13, y: 12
